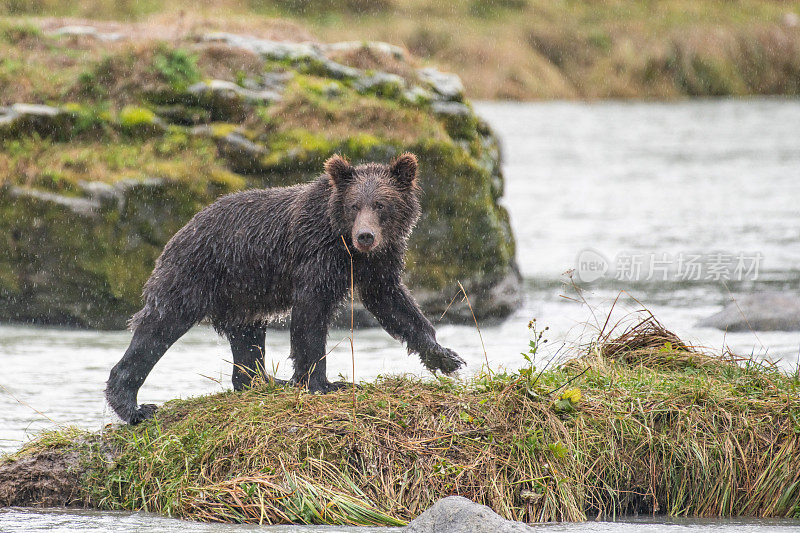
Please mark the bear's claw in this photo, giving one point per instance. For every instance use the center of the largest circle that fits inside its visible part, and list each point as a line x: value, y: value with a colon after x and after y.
x: 441, y: 358
x: 324, y: 387
x: 142, y: 413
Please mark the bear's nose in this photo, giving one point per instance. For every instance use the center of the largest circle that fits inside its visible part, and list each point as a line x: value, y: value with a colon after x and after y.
x: 365, y: 238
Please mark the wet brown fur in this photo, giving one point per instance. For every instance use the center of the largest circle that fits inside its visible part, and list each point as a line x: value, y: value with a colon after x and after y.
x: 258, y: 254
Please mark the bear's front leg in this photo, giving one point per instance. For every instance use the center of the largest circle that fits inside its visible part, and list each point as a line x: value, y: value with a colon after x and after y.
x: 308, y: 333
x: 390, y: 301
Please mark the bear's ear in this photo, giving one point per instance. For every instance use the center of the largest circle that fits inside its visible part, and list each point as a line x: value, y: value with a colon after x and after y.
x: 404, y: 170
x: 339, y: 170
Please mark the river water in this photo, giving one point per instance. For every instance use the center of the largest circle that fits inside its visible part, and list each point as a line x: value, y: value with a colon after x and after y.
x: 642, y: 191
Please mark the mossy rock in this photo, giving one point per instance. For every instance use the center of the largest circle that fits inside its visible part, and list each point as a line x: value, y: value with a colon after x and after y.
x: 82, y: 261
x: 140, y: 121
x: 158, y: 143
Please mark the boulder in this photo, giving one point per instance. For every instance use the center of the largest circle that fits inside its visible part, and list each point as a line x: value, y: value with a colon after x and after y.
x: 27, y: 119
x: 373, y: 46
x: 243, y: 155
x: 78, y: 252
x: 382, y: 83
x: 277, y: 50
x: 761, y: 311
x: 85, y: 31
x: 456, y: 514
x: 228, y: 101
x: 445, y: 84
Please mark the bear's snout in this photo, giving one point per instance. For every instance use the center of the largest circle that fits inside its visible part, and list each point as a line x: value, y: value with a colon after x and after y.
x: 366, y: 238
x: 366, y: 231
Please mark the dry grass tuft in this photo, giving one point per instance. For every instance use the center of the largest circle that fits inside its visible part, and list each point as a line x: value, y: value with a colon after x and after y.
x: 649, y: 343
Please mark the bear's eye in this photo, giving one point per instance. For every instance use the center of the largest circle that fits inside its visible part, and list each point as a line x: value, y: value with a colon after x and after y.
x: 378, y: 206
x: 354, y: 207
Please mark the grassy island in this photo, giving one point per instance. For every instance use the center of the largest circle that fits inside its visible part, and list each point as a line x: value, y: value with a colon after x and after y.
x: 639, y: 423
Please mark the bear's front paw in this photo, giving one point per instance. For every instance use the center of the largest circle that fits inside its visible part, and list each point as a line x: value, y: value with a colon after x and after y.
x: 441, y: 358
x: 142, y: 413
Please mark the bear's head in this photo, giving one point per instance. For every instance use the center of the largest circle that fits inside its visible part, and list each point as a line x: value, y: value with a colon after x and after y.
x: 375, y: 205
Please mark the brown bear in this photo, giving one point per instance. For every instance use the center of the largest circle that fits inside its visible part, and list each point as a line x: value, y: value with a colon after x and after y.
x: 255, y: 255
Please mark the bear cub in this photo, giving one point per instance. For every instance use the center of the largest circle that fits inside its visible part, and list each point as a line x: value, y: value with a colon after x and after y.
x: 258, y: 254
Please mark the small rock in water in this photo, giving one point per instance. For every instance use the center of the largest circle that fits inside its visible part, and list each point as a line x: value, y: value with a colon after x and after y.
x: 762, y: 311
x: 456, y: 514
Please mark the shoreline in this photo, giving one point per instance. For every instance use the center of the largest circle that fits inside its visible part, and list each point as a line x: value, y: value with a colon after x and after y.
x: 527, y: 50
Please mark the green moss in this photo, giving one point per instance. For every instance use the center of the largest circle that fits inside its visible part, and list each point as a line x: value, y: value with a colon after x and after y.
x: 318, y: 86
x: 443, y: 250
x: 86, y: 118
x: 711, y: 76
x: 133, y: 117
x: 460, y: 126
x: 223, y: 181
x: 221, y: 129
x: 9, y: 279
x: 297, y: 150
x: 492, y: 8
x: 366, y: 147
x: 74, y: 8
x: 19, y: 32
x: 387, y: 89
x: 176, y: 66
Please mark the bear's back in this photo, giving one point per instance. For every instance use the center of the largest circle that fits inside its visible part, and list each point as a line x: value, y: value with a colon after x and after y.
x: 240, y: 252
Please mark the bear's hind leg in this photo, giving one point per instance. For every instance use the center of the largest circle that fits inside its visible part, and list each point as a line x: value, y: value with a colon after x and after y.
x: 247, y: 346
x: 151, y: 338
x: 308, y: 332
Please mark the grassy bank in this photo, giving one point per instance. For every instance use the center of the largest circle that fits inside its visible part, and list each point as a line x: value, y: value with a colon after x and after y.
x: 526, y: 49
x: 637, y: 424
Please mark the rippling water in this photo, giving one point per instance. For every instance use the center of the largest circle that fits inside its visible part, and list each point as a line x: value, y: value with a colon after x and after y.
x: 617, y: 178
